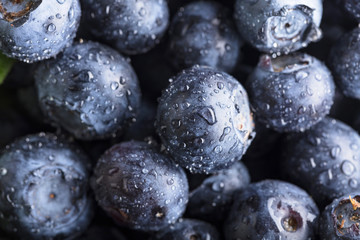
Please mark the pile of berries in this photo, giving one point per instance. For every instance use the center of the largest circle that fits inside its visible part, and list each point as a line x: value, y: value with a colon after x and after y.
x: 180, y: 119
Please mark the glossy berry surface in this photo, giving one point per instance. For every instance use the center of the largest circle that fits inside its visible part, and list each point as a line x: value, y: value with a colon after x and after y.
x: 212, y: 200
x: 272, y: 209
x: 340, y: 219
x: 204, y: 120
x: 131, y: 26
x: 353, y: 7
x: 279, y: 26
x: 91, y: 91
x: 291, y: 93
x: 203, y: 33
x: 44, y: 183
x: 344, y: 61
x: 33, y: 30
x: 325, y: 160
x: 139, y: 187
x: 187, y: 229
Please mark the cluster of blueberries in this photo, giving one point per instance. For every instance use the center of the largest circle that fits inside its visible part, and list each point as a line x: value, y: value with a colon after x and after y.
x: 145, y: 119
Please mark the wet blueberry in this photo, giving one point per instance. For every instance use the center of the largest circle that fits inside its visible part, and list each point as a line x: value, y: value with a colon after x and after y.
x: 212, y: 200
x: 291, y: 93
x: 344, y: 61
x: 139, y: 187
x: 188, y: 229
x: 132, y: 27
x: 279, y: 26
x: 43, y: 188
x: 203, y: 33
x: 353, y: 7
x: 204, y: 120
x: 272, y: 210
x: 324, y: 160
x: 90, y: 90
x: 33, y: 30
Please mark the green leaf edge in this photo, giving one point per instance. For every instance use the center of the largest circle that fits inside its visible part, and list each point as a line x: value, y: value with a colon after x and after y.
x: 5, y: 66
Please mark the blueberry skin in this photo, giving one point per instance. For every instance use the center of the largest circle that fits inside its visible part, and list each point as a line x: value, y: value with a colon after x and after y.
x: 344, y: 61
x: 270, y: 210
x: 202, y: 33
x: 325, y: 160
x: 41, y: 31
x: 353, y: 7
x: 291, y: 93
x: 139, y: 187
x: 44, y: 183
x: 130, y: 26
x: 212, y: 200
x: 279, y: 26
x: 339, y: 220
x: 186, y: 229
x: 91, y: 91
x: 204, y: 120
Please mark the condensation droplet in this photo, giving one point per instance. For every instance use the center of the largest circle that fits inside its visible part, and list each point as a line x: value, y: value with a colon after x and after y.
x: 347, y: 168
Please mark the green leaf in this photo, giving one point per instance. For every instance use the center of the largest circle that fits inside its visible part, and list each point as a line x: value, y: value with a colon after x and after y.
x: 5, y: 66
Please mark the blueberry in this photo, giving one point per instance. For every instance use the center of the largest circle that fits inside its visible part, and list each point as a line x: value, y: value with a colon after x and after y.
x: 279, y: 26
x: 343, y: 60
x: 43, y: 188
x: 202, y: 33
x: 291, y: 93
x: 353, y: 7
x: 139, y: 187
x: 270, y: 210
x: 188, y: 229
x: 325, y: 160
x: 132, y: 27
x: 90, y: 90
x: 204, y: 120
x: 33, y: 30
x: 211, y: 200
x: 341, y: 218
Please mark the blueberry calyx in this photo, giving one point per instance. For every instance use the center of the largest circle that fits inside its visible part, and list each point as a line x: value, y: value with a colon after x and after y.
x: 17, y: 12
x: 282, y: 29
x: 346, y: 216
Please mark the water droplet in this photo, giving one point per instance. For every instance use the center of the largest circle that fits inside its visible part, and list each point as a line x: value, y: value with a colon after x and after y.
x: 144, y: 171
x: 220, y: 85
x: 353, y: 146
x: 61, y: 1
x: 114, y: 86
x: 312, y: 162
x: 301, y: 75
x: 112, y: 171
x: 170, y: 181
x: 208, y: 114
x: 167, y: 201
x: 217, y: 186
x: 176, y: 123
x: 122, y: 80
x: 353, y: 183
x: 335, y: 151
x: 142, y: 12
x: 301, y: 110
x: 218, y: 149
x: 347, y: 168
x: 3, y: 171
x: 51, y: 27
